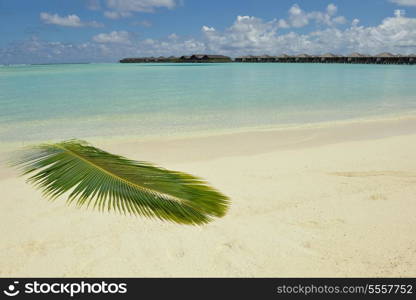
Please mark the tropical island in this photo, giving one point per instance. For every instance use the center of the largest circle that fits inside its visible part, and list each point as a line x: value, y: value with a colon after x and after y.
x: 384, y: 58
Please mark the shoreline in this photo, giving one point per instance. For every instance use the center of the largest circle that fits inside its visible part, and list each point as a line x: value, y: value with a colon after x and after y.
x: 397, y: 121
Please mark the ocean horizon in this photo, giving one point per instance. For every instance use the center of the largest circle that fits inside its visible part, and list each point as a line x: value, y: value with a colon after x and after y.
x: 61, y: 101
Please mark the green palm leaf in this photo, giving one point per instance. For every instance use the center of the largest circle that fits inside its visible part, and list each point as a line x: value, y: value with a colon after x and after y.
x: 111, y: 182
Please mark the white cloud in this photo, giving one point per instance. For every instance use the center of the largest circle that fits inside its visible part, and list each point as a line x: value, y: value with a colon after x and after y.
x: 404, y: 2
x: 282, y: 24
x: 250, y: 35
x: 299, y: 18
x: 207, y: 29
x: 125, y: 8
x: 93, y: 4
x: 399, y: 13
x: 173, y: 36
x: 68, y: 21
x: 247, y: 32
x: 117, y: 14
x: 332, y: 9
x: 101, y: 49
x: 114, y: 37
x: 339, y: 20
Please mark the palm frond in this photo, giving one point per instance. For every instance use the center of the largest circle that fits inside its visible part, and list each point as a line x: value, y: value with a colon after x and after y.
x: 110, y: 182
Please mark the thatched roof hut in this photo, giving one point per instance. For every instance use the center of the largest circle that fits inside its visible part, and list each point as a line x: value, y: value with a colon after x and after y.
x: 384, y: 54
x: 208, y: 56
x: 329, y: 58
x: 329, y: 55
x: 246, y: 58
x: 198, y: 56
x: 266, y: 58
x: 356, y: 54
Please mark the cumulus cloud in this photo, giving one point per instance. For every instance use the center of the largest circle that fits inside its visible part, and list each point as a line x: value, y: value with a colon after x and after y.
x: 299, y: 18
x: 332, y: 9
x: 399, y: 13
x: 67, y: 21
x: 114, y: 37
x: 404, y: 2
x: 117, y: 14
x: 250, y: 35
x: 247, y: 32
x: 125, y: 8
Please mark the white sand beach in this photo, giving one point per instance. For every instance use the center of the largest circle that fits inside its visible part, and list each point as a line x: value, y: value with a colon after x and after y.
x: 329, y: 201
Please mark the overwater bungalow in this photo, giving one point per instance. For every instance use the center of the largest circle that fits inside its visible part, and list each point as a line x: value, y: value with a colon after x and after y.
x: 266, y: 58
x: 205, y: 58
x: 218, y: 58
x: 328, y: 58
x: 240, y: 59
x: 302, y: 58
x: 356, y: 57
x: 381, y: 58
x: 247, y: 58
x: 281, y: 58
x: 385, y: 54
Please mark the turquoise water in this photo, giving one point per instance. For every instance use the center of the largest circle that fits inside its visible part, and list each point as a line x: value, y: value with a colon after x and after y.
x: 68, y: 101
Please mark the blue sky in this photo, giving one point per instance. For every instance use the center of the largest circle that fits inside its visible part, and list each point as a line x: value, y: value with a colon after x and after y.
x: 107, y: 30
